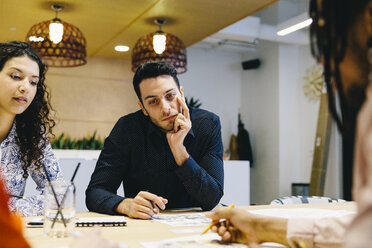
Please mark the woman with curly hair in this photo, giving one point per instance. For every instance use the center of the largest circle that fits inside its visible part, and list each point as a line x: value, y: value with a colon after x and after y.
x: 24, y: 126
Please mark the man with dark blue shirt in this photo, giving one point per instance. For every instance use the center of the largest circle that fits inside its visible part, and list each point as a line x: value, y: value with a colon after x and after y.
x: 166, y: 154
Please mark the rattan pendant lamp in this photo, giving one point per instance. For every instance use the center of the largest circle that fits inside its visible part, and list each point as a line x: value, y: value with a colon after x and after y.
x: 59, y: 43
x: 160, y: 46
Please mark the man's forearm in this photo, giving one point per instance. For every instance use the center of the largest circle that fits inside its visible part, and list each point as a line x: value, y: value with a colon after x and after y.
x: 206, y: 189
x: 180, y: 154
x: 102, y: 201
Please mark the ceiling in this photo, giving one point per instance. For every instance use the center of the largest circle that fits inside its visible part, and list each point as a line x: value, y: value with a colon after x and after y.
x: 107, y: 23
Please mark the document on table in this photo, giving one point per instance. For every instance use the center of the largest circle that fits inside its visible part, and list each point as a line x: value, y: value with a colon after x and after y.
x: 211, y: 240
x: 208, y: 240
x: 183, y: 219
x: 312, y: 213
x: 188, y: 230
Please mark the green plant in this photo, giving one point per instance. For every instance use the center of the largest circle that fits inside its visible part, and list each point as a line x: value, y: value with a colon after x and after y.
x: 195, y: 103
x: 86, y: 143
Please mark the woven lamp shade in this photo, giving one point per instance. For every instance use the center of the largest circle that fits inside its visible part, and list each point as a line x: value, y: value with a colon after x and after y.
x: 174, y: 53
x: 70, y: 52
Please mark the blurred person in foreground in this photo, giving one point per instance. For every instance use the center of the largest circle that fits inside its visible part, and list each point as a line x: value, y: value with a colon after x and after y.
x: 341, y: 39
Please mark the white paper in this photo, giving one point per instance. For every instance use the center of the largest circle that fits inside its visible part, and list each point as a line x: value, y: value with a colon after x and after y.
x: 197, y: 241
x: 120, y: 245
x: 183, y: 219
x: 189, y: 230
x: 210, y: 240
x: 312, y: 213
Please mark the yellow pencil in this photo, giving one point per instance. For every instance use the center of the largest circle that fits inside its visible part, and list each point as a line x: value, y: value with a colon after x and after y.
x: 214, y: 222
x: 302, y: 244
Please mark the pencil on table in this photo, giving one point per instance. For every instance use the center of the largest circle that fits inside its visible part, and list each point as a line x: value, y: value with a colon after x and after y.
x: 153, y: 206
x: 214, y: 222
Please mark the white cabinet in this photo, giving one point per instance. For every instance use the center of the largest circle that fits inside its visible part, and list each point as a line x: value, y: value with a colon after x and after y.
x: 236, y: 185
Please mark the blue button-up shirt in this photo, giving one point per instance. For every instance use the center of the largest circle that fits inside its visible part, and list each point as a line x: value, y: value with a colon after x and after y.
x: 137, y: 153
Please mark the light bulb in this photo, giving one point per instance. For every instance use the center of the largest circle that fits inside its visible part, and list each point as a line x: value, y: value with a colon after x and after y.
x: 121, y: 48
x: 36, y: 38
x: 158, y: 42
x: 55, y: 32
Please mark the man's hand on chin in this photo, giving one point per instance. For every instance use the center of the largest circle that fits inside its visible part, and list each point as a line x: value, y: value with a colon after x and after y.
x: 175, y: 137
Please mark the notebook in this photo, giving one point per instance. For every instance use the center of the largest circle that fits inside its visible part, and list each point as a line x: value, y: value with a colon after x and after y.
x: 101, y: 221
x: 86, y: 221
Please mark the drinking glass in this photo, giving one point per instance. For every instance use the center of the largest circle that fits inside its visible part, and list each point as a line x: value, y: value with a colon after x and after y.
x: 59, y: 218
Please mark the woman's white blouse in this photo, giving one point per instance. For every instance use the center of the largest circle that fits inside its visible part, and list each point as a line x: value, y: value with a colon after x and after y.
x: 12, y: 175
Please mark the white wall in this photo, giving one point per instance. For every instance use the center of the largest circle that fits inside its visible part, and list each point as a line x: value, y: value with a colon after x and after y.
x: 290, y: 145
x: 298, y: 122
x: 333, y: 183
x: 214, y: 77
x: 307, y: 115
x: 260, y: 112
x: 298, y: 117
x: 282, y: 123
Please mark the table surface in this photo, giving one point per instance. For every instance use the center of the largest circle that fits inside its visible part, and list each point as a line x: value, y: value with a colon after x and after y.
x: 137, y: 231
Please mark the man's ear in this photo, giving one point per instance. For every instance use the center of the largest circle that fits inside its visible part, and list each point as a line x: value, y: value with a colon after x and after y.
x: 182, y: 95
x: 143, y: 108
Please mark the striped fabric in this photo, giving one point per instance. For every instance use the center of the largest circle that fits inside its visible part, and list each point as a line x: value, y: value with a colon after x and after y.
x: 303, y: 200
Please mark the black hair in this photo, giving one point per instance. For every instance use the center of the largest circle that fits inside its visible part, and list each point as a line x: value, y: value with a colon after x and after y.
x: 34, y: 124
x: 152, y: 69
x: 329, y: 31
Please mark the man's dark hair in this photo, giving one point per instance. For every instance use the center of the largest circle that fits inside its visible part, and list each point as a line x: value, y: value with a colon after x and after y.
x: 152, y: 69
x: 332, y: 23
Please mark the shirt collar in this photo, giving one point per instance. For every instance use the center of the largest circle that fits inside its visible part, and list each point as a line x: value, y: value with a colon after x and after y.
x: 11, y: 135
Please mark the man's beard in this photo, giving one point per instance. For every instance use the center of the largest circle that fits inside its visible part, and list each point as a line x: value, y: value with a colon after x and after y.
x: 162, y: 129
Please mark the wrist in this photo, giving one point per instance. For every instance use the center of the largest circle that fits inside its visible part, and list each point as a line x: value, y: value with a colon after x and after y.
x: 123, y: 206
x: 180, y: 155
x: 272, y: 230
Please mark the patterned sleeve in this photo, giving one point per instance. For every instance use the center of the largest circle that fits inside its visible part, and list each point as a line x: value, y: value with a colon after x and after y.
x: 28, y: 206
x: 33, y: 205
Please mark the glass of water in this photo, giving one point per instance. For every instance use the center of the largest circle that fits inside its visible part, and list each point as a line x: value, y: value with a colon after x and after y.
x: 59, y: 217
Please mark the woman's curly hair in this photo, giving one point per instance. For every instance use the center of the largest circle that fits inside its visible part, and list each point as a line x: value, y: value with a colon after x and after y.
x: 34, y: 125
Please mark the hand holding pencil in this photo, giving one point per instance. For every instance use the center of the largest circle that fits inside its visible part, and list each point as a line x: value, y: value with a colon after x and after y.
x: 143, y: 206
x: 215, y: 222
x: 233, y: 225
x: 238, y: 225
